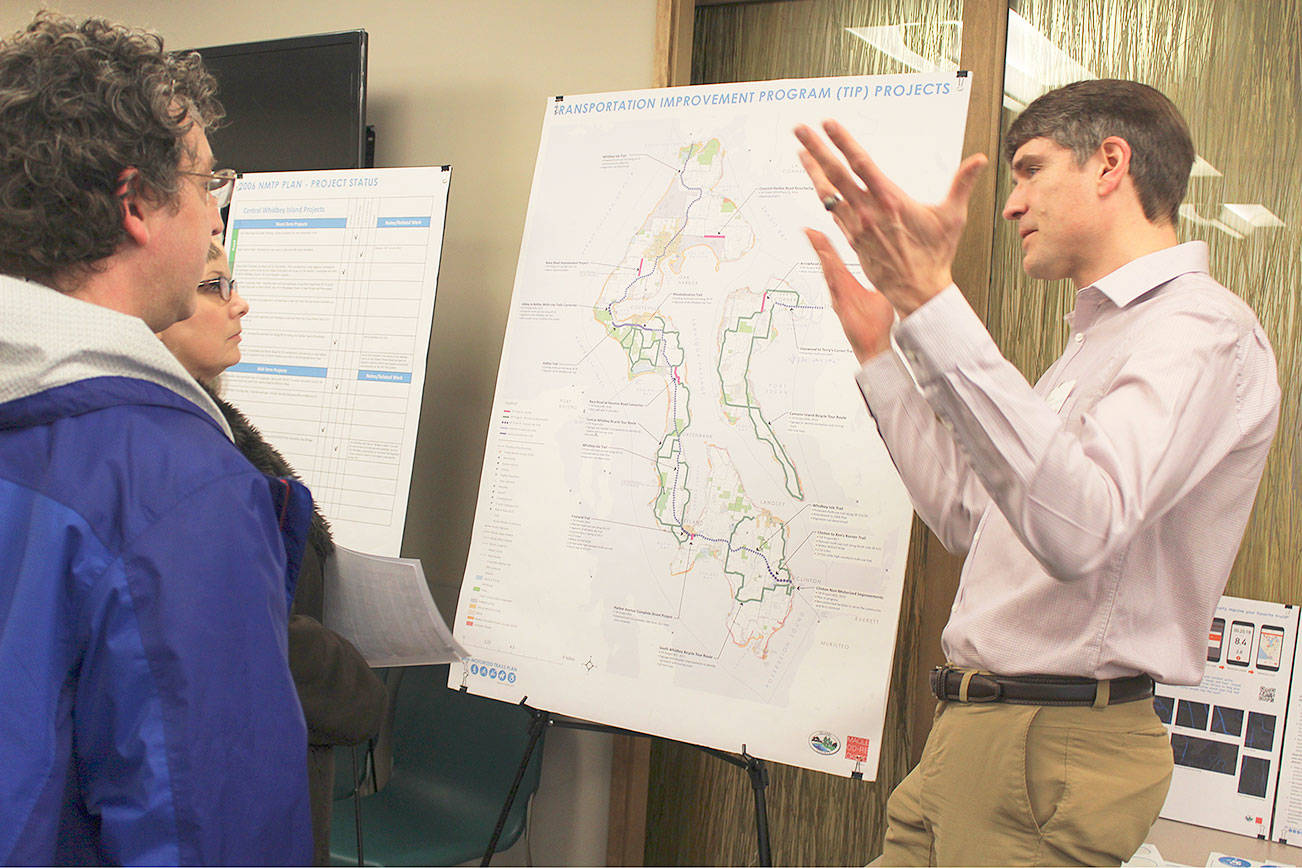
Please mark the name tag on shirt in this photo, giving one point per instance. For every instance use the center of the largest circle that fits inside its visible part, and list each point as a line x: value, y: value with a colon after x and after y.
x: 1058, y: 396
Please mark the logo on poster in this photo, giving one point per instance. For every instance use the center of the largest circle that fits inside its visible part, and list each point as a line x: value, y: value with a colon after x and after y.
x: 824, y: 743
x: 856, y: 748
x: 493, y: 672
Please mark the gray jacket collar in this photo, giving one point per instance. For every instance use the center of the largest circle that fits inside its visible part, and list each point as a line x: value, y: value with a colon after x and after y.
x: 48, y: 339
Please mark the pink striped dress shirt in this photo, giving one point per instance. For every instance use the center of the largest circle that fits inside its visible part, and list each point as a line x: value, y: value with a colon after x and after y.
x: 1102, y: 509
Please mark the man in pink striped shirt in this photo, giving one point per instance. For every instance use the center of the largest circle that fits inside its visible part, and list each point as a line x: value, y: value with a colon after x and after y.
x: 1100, y: 510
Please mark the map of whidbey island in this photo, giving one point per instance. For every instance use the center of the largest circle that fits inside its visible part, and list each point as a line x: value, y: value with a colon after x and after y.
x: 687, y: 524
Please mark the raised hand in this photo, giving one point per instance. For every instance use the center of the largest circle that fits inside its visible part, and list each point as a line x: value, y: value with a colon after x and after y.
x: 866, y: 316
x: 906, y: 248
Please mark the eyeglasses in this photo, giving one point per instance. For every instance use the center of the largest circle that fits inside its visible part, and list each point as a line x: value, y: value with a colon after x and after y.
x: 221, y: 184
x: 221, y: 286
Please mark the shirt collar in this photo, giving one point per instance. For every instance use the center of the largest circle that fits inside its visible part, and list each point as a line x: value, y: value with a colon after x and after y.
x: 1138, y: 276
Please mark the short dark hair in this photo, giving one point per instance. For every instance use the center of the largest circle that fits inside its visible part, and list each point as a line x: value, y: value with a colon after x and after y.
x: 1080, y: 116
x: 80, y: 101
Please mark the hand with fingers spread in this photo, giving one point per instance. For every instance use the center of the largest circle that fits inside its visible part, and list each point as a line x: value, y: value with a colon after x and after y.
x: 905, y: 247
x: 865, y: 315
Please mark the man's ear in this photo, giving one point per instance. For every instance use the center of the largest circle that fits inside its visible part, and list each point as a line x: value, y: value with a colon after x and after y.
x: 1114, y: 156
x: 135, y: 208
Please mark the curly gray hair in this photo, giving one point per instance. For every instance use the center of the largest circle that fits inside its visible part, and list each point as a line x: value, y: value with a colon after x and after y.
x: 80, y: 102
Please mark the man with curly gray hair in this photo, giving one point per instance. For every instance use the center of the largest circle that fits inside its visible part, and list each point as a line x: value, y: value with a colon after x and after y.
x: 149, y: 716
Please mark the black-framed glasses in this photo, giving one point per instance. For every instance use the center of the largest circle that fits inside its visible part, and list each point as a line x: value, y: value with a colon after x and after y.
x: 221, y: 286
x: 221, y: 183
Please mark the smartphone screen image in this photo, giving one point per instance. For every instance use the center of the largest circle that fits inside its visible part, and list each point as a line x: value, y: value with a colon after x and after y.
x: 1270, y: 647
x: 1240, y: 650
x: 1214, y: 640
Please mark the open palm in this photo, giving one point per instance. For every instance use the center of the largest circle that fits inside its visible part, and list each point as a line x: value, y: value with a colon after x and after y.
x: 906, y: 248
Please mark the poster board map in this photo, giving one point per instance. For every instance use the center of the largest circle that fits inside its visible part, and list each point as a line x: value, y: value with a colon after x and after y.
x: 686, y: 524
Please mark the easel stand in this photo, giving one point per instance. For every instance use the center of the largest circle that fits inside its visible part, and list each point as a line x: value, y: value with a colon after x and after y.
x: 541, y: 720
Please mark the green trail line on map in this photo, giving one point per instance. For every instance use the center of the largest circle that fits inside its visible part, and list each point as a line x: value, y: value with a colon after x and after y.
x: 730, y: 534
x: 734, y: 377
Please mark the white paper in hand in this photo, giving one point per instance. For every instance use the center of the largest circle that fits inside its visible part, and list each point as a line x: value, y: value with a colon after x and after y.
x: 383, y: 606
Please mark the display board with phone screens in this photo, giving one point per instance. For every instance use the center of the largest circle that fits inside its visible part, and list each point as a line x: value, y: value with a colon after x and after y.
x: 1235, y: 736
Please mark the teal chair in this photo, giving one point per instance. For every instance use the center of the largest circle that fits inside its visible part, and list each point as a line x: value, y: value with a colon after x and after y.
x: 454, y: 757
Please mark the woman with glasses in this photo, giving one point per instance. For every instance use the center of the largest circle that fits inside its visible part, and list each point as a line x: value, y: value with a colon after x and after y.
x: 343, y: 700
x: 209, y: 341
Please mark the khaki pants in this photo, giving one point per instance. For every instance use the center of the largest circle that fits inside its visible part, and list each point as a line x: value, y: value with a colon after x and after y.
x: 1002, y: 784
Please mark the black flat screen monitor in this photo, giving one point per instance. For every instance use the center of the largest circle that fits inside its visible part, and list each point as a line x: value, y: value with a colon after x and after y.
x: 297, y: 103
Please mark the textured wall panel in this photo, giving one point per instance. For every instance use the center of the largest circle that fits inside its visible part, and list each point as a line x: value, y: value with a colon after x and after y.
x: 700, y: 809
x: 1232, y: 67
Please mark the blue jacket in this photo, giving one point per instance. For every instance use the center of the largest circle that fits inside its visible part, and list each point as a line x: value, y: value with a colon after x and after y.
x: 147, y: 714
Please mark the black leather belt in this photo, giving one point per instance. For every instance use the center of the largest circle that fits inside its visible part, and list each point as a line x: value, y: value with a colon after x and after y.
x: 955, y: 684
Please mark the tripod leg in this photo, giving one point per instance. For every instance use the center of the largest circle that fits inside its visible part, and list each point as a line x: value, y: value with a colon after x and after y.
x: 759, y: 779
x: 357, y: 808
x: 541, y: 720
